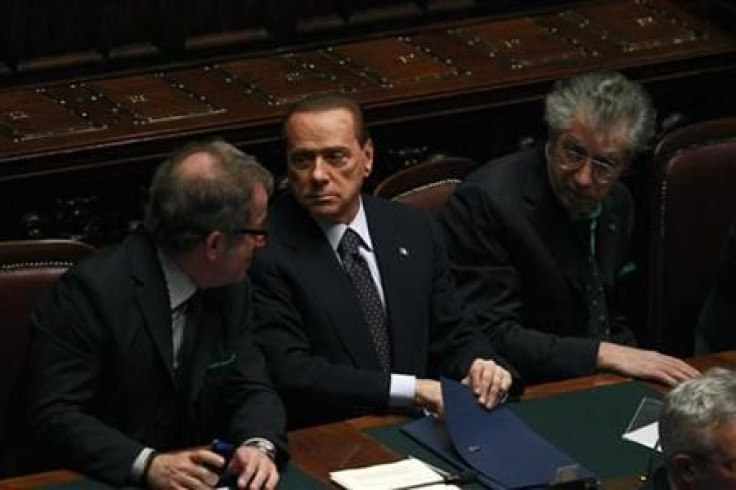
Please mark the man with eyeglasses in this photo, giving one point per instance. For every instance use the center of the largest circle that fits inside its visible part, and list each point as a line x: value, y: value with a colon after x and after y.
x: 354, y: 305
x: 144, y: 352
x: 539, y: 239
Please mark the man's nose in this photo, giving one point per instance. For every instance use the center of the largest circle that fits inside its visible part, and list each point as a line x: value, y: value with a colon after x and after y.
x: 583, y: 176
x: 319, y: 170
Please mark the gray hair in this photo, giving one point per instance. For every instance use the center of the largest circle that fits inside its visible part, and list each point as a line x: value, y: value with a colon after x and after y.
x: 693, y: 409
x: 603, y: 100
x: 182, y: 210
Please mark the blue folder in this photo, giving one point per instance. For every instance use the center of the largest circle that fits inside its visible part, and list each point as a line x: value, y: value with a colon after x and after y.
x: 497, y: 444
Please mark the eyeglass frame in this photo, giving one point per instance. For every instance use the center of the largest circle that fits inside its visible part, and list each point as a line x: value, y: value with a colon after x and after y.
x: 574, y: 155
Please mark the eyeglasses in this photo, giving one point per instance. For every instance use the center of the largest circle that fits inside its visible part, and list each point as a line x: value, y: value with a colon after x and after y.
x: 574, y: 156
x: 260, y: 234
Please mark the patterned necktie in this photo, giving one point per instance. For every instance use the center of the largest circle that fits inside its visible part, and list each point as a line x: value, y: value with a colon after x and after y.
x: 598, y: 327
x: 367, y: 292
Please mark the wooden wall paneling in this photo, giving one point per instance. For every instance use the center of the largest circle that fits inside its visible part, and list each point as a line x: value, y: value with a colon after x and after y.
x: 318, y: 16
x: 13, y: 24
x: 227, y: 24
x: 6, y: 50
x: 59, y: 33
x: 382, y: 12
x: 130, y: 28
x: 173, y: 19
x: 449, y: 5
x: 7, y: 46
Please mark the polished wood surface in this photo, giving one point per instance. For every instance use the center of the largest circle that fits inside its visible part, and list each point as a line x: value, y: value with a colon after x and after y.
x: 461, y: 67
x: 76, y: 152
x: 330, y: 447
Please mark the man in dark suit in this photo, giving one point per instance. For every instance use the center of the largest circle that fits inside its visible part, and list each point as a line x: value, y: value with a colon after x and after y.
x: 539, y: 239
x: 146, y: 349
x: 354, y: 304
x: 716, y: 330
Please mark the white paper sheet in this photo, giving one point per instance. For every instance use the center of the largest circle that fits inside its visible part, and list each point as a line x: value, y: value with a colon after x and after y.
x: 388, y: 476
x: 646, y: 436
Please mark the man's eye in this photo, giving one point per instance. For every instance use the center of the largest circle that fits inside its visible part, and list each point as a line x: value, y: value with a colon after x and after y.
x: 299, y: 160
x: 605, y: 163
x: 577, y: 153
x: 336, y: 157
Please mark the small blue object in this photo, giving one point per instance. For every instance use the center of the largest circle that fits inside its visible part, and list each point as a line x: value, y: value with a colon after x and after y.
x: 224, y: 449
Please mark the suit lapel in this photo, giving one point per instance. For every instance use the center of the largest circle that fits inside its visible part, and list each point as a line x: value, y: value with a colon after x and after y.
x: 152, y: 299
x: 392, y: 255
x: 317, y: 262
x: 552, y: 224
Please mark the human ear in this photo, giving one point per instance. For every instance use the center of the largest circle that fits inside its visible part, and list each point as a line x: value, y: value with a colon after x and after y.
x: 214, y: 245
x: 368, y: 155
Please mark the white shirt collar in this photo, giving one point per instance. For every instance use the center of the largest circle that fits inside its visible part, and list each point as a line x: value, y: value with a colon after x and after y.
x: 178, y: 284
x: 334, y: 231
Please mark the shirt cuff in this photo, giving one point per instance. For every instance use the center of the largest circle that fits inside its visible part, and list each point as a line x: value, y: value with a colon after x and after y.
x: 402, y: 390
x: 137, y: 471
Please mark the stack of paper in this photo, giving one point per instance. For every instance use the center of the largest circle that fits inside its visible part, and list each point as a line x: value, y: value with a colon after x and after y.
x: 404, y: 473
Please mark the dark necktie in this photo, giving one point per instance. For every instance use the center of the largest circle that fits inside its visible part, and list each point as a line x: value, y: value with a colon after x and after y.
x: 192, y: 311
x: 367, y: 292
x: 598, y: 327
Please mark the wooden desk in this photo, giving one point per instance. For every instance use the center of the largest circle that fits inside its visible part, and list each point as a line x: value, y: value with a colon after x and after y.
x: 325, y: 448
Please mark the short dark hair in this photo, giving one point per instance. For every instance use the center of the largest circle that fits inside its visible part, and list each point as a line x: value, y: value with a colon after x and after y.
x: 325, y: 102
x: 182, y: 210
x: 603, y: 99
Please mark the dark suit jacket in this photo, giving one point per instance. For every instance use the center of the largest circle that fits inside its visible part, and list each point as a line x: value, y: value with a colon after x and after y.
x: 311, y: 327
x: 101, y: 383
x: 516, y: 258
x: 716, y: 329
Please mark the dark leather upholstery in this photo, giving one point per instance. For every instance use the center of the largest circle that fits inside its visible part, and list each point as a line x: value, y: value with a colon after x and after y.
x: 692, y: 202
x: 426, y: 185
x: 27, y: 268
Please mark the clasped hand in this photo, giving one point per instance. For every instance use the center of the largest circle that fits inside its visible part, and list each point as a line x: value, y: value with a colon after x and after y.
x: 198, y: 469
x: 489, y: 381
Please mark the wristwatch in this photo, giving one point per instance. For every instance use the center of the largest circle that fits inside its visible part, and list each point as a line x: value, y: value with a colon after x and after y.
x: 264, y: 445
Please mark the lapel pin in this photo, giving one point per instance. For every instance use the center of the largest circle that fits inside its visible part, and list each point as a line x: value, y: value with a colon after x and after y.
x: 403, y: 252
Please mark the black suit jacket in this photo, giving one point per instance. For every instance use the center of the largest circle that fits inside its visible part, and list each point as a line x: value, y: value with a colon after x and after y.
x: 716, y: 329
x: 516, y: 258
x: 311, y: 326
x: 101, y: 381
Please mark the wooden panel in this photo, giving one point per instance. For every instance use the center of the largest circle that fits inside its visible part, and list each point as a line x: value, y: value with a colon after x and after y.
x: 130, y: 28
x: 470, y: 87
x: 392, y: 62
x: 453, y: 63
x: 520, y: 44
x: 226, y: 22
x: 281, y: 80
x: 26, y: 116
x: 151, y: 99
x: 57, y: 32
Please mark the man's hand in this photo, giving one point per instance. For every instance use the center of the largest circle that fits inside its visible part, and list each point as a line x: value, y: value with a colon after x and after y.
x: 645, y: 364
x: 489, y: 381
x: 254, y: 468
x: 191, y: 470
x: 429, y: 395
